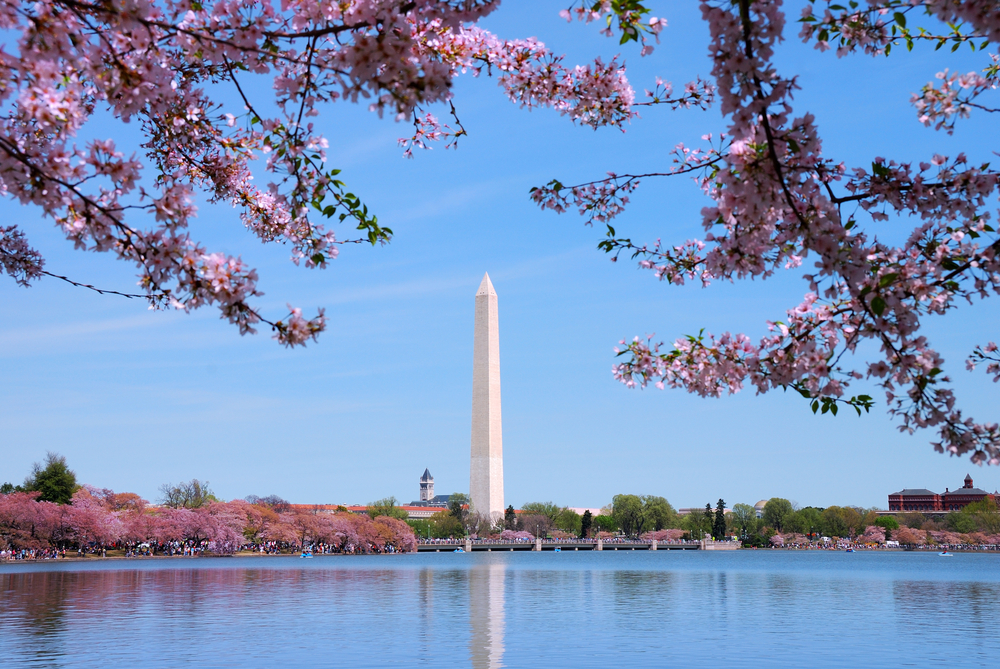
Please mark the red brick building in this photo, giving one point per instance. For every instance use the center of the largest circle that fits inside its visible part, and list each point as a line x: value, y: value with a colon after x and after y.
x: 923, y: 500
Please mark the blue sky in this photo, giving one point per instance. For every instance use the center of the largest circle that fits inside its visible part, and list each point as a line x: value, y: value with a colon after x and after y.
x: 136, y: 398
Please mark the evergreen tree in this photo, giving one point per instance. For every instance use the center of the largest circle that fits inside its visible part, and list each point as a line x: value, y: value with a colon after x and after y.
x: 509, y: 518
x: 586, y: 523
x: 54, y: 480
x: 708, y: 519
x: 719, y: 526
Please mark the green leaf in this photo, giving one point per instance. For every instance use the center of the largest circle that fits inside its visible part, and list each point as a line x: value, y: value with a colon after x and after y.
x: 900, y: 18
x: 886, y: 279
x: 878, y: 305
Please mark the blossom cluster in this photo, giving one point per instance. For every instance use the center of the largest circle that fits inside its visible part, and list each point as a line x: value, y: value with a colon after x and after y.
x: 778, y: 201
x: 97, y: 517
x: 169, y: 65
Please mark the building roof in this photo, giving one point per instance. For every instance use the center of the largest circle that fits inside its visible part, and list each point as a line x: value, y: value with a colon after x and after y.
x: 914, y: 492
x: 961, y: 492
x: 427, y: 475
x: 436, y: 500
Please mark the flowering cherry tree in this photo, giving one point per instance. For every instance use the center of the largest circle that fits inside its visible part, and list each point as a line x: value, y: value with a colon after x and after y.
x: 174, y: 67
x: 181, y: 71
x: 778, y: 201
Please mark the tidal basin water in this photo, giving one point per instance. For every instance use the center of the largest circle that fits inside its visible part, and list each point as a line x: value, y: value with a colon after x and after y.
x: 485, y: 610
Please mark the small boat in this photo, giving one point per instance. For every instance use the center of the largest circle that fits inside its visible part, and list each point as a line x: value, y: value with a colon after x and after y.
x: 306, y: 554
x: 558, y: 550
x: 459, y: 550
x: 850, y: 550
x: 945, y: 554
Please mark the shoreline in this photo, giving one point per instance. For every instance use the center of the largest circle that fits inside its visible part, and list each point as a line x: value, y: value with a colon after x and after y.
x: 121, y: 558
x: 144, y: 558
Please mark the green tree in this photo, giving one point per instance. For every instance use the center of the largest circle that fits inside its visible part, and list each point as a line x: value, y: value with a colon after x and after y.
x: 697, y: 524
x: 444, y: 525
x: 509, y: 518
x: 628, y: 514
x: 834, y: 522
x: 460, y: 506
x: 605, y: 523
x: 985, y: 514
x: 719, y: 525
x: 55, y: 480
x: 657, y: 513
x: 547, y: 509
x: 868, y: 517
x: 7, y: 488
x: 887, y: 523
x: 387, y: 507
x: 961, y: 522
x: 745, y: 520
x: 808, y: 521
x: 585, y: 523
x: 569, y: 521
x: 421, y: 527
x: 776, y: 511
x: 193, y: 494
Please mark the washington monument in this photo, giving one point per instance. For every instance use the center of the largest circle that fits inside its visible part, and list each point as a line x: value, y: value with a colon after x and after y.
x: 486, y: 475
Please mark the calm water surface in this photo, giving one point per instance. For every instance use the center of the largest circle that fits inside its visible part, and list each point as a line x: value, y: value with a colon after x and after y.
x: 486, y: 610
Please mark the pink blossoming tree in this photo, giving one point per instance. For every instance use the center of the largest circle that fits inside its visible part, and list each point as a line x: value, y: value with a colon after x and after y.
x: 168, y: 65
x: 777, y: 200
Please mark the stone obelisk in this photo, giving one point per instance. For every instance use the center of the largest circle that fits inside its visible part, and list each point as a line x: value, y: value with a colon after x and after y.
x: 486, y: 476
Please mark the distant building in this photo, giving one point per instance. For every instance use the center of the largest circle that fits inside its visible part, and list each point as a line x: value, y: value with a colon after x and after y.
x: 580, y: 510
x: 426, y: 486
x: 924, y: 500
x: 429, y: 503
x: 759, y: 508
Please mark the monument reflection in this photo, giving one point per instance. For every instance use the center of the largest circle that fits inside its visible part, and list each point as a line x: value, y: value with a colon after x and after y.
x: 487, y: 591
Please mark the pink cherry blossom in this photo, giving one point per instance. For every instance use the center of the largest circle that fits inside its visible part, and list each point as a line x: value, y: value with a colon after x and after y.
x: 779, y: 203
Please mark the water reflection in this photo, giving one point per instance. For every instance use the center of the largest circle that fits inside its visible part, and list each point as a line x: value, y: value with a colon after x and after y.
x: 487, y: 592
x: 499, y: 610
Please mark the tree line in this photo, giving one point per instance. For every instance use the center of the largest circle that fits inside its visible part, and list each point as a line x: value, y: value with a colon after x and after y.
x: 52, y: 512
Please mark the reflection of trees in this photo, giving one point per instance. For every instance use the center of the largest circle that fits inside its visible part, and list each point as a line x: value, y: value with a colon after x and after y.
x: 36, y: 603
x: 487, y: 615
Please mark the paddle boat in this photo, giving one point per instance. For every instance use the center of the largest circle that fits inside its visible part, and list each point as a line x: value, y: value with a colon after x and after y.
x: 558, y: 550
x: 459, y: 550
x: 307, y: 553
x: 945, y: 554
x: 850, y: 550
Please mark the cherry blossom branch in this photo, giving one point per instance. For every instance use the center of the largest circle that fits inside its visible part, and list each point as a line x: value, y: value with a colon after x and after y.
x: 775, y: 204
x: 953, y: 99
x: 879, y: 26
x: 155, y: 299
x: 988, y: 354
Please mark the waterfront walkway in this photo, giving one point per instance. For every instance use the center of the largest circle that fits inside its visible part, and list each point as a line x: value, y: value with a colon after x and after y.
x: 469, y: 545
